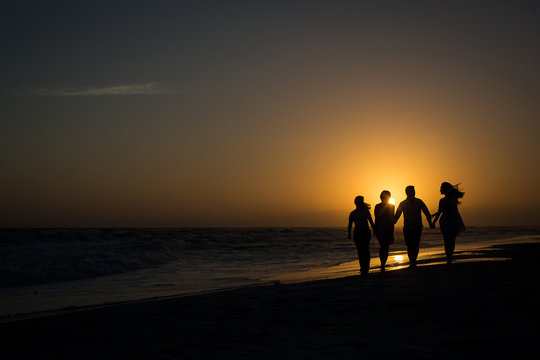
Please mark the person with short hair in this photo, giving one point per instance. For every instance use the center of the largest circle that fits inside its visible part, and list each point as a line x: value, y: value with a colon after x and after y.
x: 412, y: 209
x: 384, y: 226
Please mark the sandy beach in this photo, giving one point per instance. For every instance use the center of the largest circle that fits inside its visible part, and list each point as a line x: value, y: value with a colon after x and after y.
x: 469, y: 309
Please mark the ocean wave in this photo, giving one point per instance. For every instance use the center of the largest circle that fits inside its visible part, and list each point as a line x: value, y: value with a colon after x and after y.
x: 35, y: 256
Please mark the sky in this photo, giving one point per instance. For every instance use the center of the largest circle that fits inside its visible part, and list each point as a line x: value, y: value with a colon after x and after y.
x: 265, y: 113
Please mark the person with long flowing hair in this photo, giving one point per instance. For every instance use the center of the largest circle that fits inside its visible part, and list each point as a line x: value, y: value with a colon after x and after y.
x: 451, y: 223
x: 384, y: 226
x: 362, y: 234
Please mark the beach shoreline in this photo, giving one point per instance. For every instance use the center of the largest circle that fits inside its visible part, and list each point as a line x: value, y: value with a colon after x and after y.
x: 467, y: 309
x: 56, y: 298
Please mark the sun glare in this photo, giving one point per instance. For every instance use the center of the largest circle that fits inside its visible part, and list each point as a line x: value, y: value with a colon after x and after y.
x: 392, y: 201
x: 398, y: 258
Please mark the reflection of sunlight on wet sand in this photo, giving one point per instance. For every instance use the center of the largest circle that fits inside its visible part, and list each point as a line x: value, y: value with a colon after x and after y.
x: 342, y: 270
x: 350, y: 268
x: 399, y: 260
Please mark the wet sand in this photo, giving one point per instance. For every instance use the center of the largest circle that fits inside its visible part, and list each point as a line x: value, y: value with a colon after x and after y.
x: 468, y: 309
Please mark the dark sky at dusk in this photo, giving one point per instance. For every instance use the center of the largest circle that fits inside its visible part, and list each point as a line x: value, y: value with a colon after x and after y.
x: 265, y: 113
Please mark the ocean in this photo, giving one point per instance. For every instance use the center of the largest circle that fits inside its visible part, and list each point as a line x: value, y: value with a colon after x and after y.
x: 50, y: 269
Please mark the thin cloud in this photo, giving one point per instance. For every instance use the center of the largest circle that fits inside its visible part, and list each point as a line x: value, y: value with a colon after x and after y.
x: 154, y: 88
x: 134, y: 89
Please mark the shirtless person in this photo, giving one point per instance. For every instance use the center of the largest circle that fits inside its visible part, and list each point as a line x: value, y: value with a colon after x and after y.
x: 412, y: 208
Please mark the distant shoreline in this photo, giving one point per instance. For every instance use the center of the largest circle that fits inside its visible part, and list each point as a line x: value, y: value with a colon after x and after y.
x: 398, y: 226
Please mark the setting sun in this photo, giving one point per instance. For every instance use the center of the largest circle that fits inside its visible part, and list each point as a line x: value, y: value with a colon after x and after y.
x: 398, y: 258
x: 392, y: 201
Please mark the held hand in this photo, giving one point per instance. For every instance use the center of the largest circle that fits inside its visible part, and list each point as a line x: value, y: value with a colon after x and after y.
x: 432, y: 225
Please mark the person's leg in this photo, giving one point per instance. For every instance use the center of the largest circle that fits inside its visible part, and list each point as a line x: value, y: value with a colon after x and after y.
x: 411, y: 251
x: 412, y: 239
x: 359, y: 251
x: 383, y: 254
x: 416, y: 239
x: 407, y: 237
x: 449, y: 245
x: 365, y: 256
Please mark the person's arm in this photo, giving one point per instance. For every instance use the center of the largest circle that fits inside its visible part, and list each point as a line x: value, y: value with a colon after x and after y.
x: 398, y: 213
x: 428, y: 215
x: 437, y: 214
x: 371, y: 221
x: 393, y: 209
x: 349, y: 227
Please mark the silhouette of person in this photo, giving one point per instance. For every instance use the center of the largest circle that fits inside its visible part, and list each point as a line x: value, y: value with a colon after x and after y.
x: 362, y: 235
x: 451, y: 223
x: 384, y: 226
x: 412, y: 208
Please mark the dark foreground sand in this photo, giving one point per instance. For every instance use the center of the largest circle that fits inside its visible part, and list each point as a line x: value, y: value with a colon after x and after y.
x: 474, y: 309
